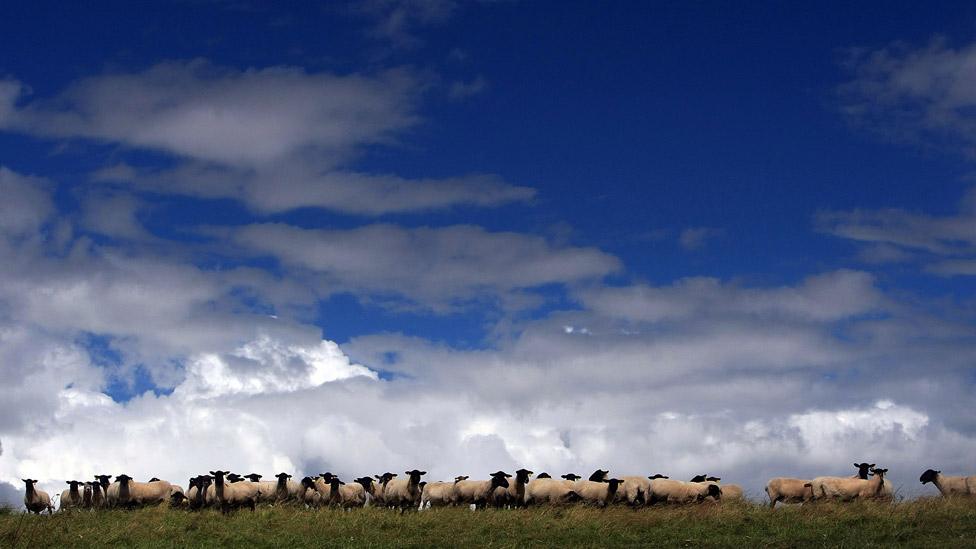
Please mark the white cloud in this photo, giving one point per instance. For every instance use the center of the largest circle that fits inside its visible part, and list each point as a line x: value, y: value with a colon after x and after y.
x: 198, y: 110
x: 26, y: 204
x: 433, y: 266
x: 947, y: 243
x: 277, y: 138
x: 922, y: 95
x: 281, y: 187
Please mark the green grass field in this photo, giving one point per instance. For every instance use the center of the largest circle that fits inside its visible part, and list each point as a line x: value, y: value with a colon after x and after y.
x: 921, y: 523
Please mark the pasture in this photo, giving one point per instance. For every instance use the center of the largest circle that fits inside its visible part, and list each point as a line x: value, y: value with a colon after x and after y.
x: 926, y: 522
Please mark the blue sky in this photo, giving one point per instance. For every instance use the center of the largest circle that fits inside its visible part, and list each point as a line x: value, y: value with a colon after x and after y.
x: 209, y: 196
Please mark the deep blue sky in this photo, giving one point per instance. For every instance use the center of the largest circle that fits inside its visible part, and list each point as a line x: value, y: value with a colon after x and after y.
x: 633, y: 120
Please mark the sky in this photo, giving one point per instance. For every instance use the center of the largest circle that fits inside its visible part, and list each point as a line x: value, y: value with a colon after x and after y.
x: 674, y: 238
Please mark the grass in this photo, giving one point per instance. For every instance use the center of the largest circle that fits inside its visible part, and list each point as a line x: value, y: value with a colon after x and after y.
x: 920, y: 523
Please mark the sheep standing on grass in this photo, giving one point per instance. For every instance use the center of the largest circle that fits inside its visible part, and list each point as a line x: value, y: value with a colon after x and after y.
x: 887, y: 490
x: 599, y: 493
x: 404, y: 493
x: 789, y: 490
x: 36, y: 500
x: 233, y: 495
x: 848, y: 489
x: 551, y: 491
x: 439, y: 494
x: 129, y: 493
x: 515, y: 493
x: 950, y: 486
x: 72, y: 497
x: 479, y: 492
x: 665, y: 490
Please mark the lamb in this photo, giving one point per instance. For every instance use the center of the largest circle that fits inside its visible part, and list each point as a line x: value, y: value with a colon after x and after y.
x: 369, y: 489
x: 789, y: 490
x: 125, y: 491
x: 551, y: 491
x: 234, y: 495
x: 36, y: 500
x: 439, y: 494
x: 599, y: 493
x: 404, y: 493
x: 675, y: 491
x: 730, y: 492
x: 848, y: 489
x: 479, y: 492
x: 949, y: 486
x: 72, y: 497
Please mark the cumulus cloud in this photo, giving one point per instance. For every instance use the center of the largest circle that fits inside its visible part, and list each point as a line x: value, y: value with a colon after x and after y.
x: 26, y: 203
x: 924, y: 95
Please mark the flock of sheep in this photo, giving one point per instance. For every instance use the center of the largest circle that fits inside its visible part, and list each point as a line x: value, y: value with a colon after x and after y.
x: 226, y: 490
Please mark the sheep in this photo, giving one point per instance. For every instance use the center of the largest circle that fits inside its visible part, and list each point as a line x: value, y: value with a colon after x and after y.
x: 71, y: 497
x: 636, y: 489
x: 380, y: 487
x: 100, y: 494
x: 543, y: 475
x: 124, y: 491
x: 280, y: 490
x: 404, y: 493
x: 887, y: 490
x: 730, y: 492
x: 346, y: 495
x: 789, y: 490
x: 323, y: 485
x: 369, y: 489
x: 599, y: 476
x: 234, y: 495
x: 515, y: 493
x: 551, y: 491
x: 86, y: 496
x: 36, y: 500
x: 949, y: 486
x: 599, y: 493
x: 310, y: 495
x: 848, y: 489
x: 479, y: 492
x: 676, y: 491
x: 440, y: 494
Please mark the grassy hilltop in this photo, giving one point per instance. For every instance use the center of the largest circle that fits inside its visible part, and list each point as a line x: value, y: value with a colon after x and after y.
x: 921, y: 523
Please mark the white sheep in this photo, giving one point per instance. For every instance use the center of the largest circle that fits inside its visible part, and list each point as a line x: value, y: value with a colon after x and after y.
x: 847, y: 489
x: 949, y: 486
x: 515, y: 493
x: 675, y: 491
x: 789, y: 490
x: 72, y: 497
x: 479, y: 492
x: 600, y: 493
x: 404, y: 493
x: 127, y: 492
x: 232, y: 495
x: 439, y: 494
x: 36, y: 500
x: 551, y: 491
x: 887, y: 490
